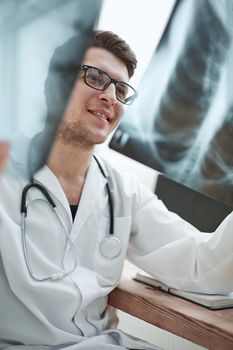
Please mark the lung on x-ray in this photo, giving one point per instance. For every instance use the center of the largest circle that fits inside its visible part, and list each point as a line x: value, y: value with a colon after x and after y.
x: 29, y: 33
x: 182, y: 122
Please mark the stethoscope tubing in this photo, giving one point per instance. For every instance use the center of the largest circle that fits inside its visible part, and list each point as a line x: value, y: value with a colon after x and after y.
x: 110, y: 247
x: 33, y: 184
x: 57, y: 275
x: 110, y: 201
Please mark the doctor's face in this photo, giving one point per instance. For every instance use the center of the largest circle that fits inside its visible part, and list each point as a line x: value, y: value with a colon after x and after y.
x: 92, y: 114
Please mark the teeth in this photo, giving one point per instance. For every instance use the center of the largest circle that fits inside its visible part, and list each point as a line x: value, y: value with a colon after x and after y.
x: 99, y: 114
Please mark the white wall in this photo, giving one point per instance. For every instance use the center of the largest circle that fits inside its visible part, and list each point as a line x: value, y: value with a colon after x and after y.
x: 140, y: 23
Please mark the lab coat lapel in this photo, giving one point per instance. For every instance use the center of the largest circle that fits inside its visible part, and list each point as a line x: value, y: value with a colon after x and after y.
x: 94, y: 184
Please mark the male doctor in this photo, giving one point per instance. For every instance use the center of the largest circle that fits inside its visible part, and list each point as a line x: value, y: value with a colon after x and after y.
x: 56, y: 274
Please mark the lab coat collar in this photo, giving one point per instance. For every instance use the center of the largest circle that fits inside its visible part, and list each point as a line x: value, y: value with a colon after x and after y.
x: 94, y: 184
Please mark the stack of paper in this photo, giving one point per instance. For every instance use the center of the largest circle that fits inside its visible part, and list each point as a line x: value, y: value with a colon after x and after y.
x: 212, y: 301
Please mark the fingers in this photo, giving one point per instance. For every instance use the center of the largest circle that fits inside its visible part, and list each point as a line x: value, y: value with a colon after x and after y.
x: 4, y: 153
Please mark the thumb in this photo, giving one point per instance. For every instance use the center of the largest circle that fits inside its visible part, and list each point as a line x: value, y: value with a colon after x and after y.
x: 4, y: 153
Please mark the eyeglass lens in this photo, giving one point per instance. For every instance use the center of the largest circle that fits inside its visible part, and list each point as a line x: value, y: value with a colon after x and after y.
x: 100, y: 80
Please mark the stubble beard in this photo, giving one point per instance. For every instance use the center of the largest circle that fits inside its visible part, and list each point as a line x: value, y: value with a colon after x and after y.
x: 76, y: 134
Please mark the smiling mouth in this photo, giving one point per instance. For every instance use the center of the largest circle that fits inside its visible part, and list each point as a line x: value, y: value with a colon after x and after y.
x: 100, y: 115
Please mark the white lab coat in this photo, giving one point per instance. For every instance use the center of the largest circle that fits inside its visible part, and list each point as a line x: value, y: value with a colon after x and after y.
x: 71, y: 314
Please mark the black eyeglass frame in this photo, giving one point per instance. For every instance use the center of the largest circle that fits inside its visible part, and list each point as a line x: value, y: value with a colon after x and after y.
x: 127, y: 101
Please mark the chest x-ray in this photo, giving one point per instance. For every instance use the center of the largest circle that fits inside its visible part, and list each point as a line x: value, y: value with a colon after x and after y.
x: 182, y: 122
x: 29, y: 33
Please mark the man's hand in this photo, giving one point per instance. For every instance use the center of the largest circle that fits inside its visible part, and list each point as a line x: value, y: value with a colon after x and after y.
x: 4, y: 153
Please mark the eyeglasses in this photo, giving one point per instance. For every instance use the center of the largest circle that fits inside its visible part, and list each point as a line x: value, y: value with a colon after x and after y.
x: 100, y: 80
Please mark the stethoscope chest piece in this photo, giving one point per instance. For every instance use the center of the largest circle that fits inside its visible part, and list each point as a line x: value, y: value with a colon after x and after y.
x: 110, y: 247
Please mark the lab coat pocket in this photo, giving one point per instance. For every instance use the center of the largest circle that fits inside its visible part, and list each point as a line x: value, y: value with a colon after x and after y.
x: 109, y: 269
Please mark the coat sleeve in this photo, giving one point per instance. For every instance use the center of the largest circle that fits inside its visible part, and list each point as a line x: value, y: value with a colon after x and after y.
x: 178, y: 254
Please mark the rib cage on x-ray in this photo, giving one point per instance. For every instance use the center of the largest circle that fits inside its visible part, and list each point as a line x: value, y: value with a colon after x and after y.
x: 181, y: 123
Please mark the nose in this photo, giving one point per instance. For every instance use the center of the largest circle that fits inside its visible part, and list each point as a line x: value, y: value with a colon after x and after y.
x: 109, y: 94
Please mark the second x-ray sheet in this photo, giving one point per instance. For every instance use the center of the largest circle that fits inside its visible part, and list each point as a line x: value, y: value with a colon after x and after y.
x: 182, y: 122
x: 30, y: 31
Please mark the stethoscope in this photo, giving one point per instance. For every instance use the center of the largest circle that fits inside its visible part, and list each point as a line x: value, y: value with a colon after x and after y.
x: 110, y: 247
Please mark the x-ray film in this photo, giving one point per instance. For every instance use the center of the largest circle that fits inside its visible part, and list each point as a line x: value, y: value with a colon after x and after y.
x: 34, y: 91
x: 182, y: 122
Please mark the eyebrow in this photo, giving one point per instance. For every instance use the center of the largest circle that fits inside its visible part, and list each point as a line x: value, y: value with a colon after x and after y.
x: 112, y: 75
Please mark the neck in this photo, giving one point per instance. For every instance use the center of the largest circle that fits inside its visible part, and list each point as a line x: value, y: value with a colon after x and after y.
x: 70, y: 164
x: 69, y: 161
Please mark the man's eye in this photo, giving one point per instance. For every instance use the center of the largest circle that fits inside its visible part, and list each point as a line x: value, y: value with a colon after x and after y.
x: 95, y: 78
x: 121, y: 90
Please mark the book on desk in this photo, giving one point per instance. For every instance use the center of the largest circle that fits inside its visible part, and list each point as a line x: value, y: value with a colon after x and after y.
x: 210, y: 301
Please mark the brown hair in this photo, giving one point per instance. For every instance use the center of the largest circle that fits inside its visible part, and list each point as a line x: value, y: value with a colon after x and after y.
x: 117, y: 46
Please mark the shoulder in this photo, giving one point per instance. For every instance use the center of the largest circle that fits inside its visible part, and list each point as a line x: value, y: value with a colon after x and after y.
x: 125, y: 184
x: 117, y: 176
x: 10, y: 198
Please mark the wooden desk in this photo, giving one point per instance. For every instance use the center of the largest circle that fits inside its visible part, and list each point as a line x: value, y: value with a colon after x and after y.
x: 211, y: 329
